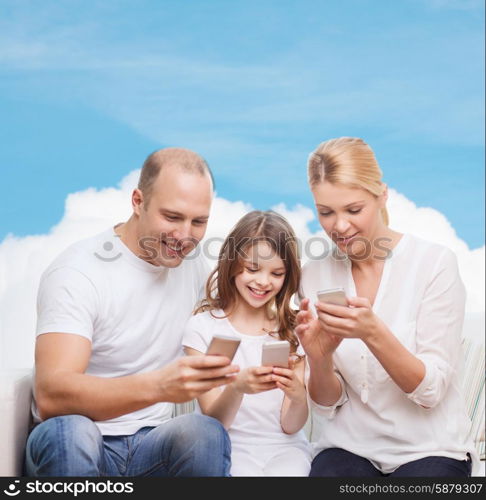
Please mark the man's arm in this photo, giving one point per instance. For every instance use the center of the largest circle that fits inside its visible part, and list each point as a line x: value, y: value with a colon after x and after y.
x: 62, y: 387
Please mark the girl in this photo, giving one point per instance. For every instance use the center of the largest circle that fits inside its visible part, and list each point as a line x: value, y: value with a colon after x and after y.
x: 383, y: 372
x: 248, y: 296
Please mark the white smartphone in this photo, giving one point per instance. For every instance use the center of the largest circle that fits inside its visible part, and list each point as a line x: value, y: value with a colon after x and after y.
x: 223, y: 345
x: 276, y: 353
x: 333, y: 296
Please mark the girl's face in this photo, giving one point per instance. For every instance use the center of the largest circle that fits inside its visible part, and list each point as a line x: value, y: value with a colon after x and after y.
x: 350, y: 216
x: 262, y: 276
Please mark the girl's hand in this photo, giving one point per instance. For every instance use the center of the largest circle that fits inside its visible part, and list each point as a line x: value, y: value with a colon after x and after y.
x: 356, y: 322
x: 287, y: 380
x: 316, y: 340
x: 254, y: 379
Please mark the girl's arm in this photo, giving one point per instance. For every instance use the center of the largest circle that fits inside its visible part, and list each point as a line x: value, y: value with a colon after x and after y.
x: 224, y: 405
x: 294, y: 407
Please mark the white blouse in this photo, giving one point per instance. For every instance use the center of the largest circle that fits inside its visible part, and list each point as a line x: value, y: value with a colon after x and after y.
x: 421, y: 299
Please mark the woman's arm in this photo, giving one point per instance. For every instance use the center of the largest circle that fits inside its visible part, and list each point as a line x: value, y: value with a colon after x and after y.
x: 425, y: 374
x: 359, y: 321
x: 323, y: 385
x: 404, y: 368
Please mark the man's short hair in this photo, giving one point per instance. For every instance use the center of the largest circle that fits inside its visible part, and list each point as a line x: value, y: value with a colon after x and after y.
x: 184, y: 159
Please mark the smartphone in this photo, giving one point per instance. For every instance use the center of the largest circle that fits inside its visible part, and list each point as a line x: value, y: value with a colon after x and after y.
x: 333, y: 296
x: 223, y: 345
x: 276, y: 353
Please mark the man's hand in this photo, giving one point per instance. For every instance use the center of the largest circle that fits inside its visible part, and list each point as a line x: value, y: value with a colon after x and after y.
x: 187, y: 378
x: 63, y: 387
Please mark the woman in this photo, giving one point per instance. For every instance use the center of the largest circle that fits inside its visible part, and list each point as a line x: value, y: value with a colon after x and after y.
x: 384, y: 369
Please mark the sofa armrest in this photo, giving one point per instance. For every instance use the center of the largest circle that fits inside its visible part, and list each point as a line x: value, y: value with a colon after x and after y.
x: 15, y: 401
x: 183, y: 408
x: 473, y: 389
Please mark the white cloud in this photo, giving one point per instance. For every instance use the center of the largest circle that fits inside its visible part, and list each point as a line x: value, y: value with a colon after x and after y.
x: 22, y: 260
x: 430, y: 224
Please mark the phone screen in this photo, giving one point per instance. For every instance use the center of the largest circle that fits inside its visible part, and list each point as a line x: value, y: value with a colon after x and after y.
x: 276, y: 354
x: 223, y: 346
x: 335, y: 296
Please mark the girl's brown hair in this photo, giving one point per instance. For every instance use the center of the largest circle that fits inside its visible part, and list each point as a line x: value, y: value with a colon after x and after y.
x: 255, y: 227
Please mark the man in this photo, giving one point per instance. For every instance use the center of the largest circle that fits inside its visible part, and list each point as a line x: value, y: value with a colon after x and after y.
x: 108, y: 358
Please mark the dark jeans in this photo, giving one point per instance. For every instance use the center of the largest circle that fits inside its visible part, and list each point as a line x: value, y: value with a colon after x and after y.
x: 188, y: 445
x: 335, y: 462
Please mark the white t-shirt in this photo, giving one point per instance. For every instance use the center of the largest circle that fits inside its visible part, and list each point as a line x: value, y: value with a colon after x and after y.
x: 421, y: 299
x: 258, y: 419
x: 132, y: 312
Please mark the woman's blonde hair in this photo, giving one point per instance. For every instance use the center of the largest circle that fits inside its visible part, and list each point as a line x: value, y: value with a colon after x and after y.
x: 254, y: 227
x: 348, y: 161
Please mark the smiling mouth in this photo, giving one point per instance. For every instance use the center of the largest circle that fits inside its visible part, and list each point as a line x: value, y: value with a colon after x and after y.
x: 346, y: 239
x: 173, y: 251
x: 260, y: 294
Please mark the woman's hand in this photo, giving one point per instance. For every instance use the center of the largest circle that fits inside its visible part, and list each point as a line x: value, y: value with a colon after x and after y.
x: 254, y: 379
x: 316, y: 340
x: 355, y: 322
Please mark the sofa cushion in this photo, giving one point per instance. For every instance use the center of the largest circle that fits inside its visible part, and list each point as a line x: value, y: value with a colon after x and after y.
x: 473, y: 390
x: 15, y: 399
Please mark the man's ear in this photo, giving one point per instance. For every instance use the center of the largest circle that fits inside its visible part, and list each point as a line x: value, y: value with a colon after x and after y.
x: 137, y: 201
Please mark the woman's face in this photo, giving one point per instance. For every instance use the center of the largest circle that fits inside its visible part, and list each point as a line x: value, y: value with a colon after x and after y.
x: 350, y: 216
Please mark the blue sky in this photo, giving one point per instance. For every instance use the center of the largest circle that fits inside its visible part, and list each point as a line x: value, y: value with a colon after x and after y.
x: 88, y: 89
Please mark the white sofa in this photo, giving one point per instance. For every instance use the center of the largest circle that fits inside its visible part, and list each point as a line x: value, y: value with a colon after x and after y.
x: 16, y: 396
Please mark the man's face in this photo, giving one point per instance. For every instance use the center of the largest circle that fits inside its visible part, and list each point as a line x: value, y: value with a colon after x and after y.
x: 175, y: 219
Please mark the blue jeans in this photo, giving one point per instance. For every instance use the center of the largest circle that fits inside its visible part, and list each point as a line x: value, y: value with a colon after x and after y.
x: 188, y: 445
x: 335, y: 462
